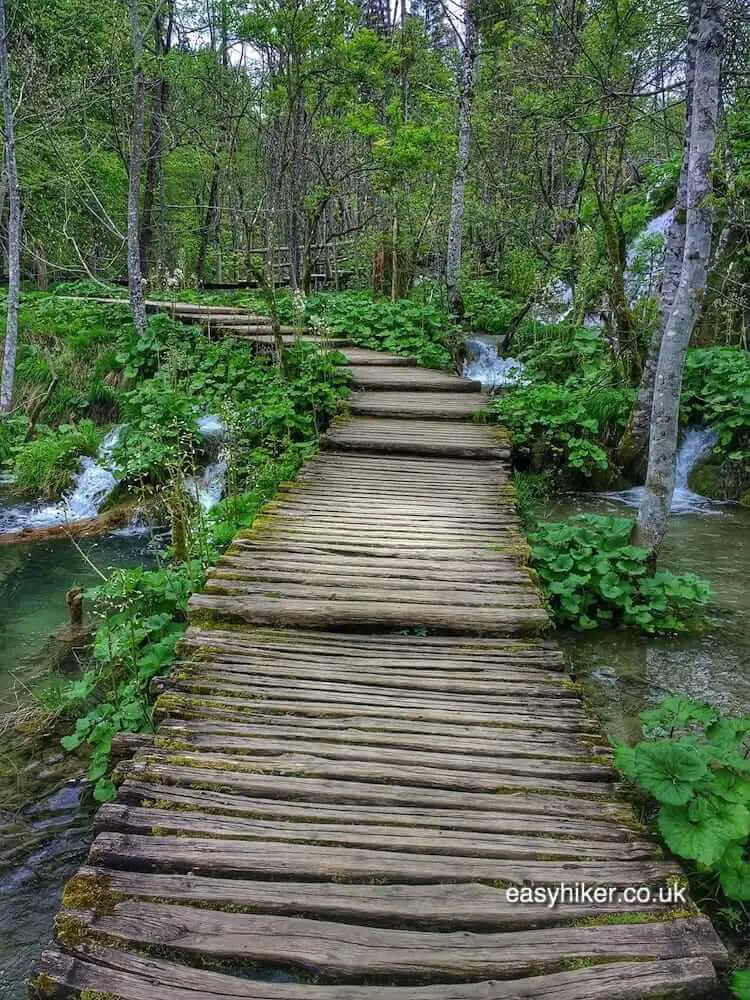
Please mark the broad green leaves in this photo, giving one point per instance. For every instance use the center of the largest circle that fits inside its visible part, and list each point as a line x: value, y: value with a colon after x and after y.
x: 699, y: 775
x: 593, y: 576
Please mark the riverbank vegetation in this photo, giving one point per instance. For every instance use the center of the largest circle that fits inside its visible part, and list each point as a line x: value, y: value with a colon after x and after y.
x: 405, y: 176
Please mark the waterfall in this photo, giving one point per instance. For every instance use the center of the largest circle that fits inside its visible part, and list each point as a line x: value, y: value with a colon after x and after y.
x: 487, y: 366
x: 208, y: 488
x: 556, y: 303
x: 97, y: 478
x: 697, y: 444
x: 92, y: 484
x: 640, y: 282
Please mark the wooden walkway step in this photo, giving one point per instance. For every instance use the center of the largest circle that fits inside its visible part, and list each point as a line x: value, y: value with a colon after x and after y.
x: 412, y: 378
x: 423, y: 405
x: 368, y: 750
x: 373, y: 435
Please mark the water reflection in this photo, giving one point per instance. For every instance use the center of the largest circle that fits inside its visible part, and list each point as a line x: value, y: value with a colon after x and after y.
x: 623, y: 672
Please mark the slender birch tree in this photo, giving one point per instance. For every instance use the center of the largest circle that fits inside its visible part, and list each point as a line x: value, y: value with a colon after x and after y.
x: 467, y: 49
x: 137, y: 129
x: 657, y: 498
x: 14, y: 218
x: 634, y: 445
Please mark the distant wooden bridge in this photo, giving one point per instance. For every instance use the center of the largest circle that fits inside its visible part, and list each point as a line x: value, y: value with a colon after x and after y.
x: 367, y: 750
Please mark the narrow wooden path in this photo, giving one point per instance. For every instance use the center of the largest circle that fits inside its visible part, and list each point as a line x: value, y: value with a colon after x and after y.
x: 367, y: 748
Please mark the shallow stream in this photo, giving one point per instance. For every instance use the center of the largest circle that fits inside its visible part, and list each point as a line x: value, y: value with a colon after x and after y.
x: 623, y: 672
x: 42, y: 843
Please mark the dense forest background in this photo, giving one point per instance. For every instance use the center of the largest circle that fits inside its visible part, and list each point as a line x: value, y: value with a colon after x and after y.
x: 322, y: 137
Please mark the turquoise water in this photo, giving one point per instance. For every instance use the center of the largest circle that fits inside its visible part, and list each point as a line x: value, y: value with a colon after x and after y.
x: 33, y: 583
x: 44, y: 841
x: 623, y: 672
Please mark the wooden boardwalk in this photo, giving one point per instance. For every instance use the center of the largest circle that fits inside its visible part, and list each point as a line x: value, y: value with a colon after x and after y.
x: 367, y: 747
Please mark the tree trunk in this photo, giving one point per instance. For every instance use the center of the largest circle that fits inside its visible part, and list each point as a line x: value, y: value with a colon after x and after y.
x: 151, y: 212
x: 135, y: 276
x: 657, y: 498
x: 633, y: 450
x: 209, y: 223
x: 14, y: 221
x: 467, y: 48
x: 624, y: 325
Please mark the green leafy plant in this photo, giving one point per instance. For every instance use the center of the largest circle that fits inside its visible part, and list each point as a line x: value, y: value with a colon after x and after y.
x: 561, y: 426
x: 695, y: 765
x: 740, y: 984
x: 142, y: 614
x: 487, y: 309
x: 408, y: 327
x: 46, y: 465
x: 716, y: 392
x: 593, y: 577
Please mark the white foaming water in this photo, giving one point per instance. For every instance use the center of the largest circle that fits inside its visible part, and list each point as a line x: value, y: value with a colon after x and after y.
x: 212, y: 428
x: 640, y: 283
x: 556, y: 303
x: 697, y: 443
x: 208, y: 488
x: 91, y: 486
x: 485, y: 365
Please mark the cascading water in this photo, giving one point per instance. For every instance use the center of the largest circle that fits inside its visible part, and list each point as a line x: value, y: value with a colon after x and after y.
x: 697, y: 444
x: 487, y: 366
x: 208, y: 487
x: 645, y: 258
x: 91, y: 487
x: 97, y: 477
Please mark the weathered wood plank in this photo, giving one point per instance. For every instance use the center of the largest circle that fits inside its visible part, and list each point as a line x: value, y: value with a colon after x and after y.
x: 239, y: 859
x: 344, y: 951
x: 414, y: 379
x: 354, y: 615
x: 245, y: 784
x: 468, y: 905
x: 136, y: 977
x: 506, y: 846
x: 143, y: 794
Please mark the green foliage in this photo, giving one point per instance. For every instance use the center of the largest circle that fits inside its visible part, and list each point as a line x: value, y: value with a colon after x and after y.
x: 534, y: 491
x: 564, y: 427
x: 190, y: 376
x: 554, y: 353
x: 46, y: 465
x: 13, y: 431
x: 716, y: 392
x: 405, y: 327
x: 142, y: 615
x: 594, y: 577
x: 272, y: 419
x: 740, y: 984
x: 695, y: 765
x: 486, y: 308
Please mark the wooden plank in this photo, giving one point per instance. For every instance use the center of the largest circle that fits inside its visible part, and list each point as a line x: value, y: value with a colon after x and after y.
x: 355, y: 615
x: 367, y: 793
x: 468, y: 905
x: 239, y: 859
x: 138, y: 977
x: 533, y: 745
x: 128, y: 819
x: 337, y: 709
x: 344, y: 951
x: 425, y: 405
x: 322, y: 692
x: 533, y: 684
x: 145, y: 795
x: 415, y: 775
x: 414, y: 379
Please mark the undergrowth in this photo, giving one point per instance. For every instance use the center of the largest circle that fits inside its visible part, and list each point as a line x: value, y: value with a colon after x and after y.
x: 593, y: 577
